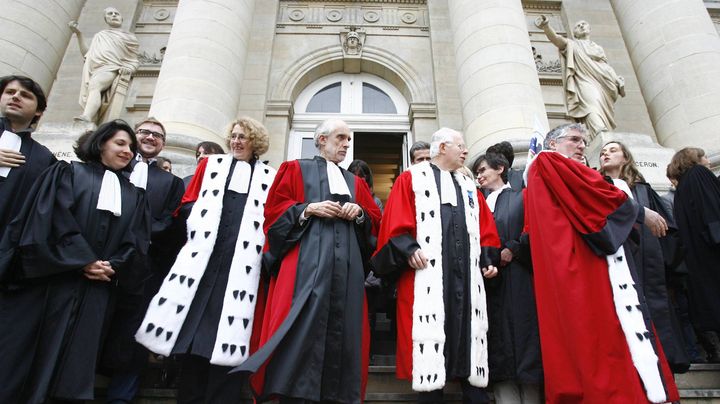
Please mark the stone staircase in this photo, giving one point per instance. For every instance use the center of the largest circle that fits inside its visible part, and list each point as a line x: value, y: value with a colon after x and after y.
x: 701, y: 385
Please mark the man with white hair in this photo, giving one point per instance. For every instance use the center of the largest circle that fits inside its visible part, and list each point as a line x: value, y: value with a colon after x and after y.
x: 595, y: 330
x: 319, y: 220
x: 439, y: 237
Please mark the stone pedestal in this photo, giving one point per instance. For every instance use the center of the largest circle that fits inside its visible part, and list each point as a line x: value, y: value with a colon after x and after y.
x: 650, y: 158
x: 61, y: 137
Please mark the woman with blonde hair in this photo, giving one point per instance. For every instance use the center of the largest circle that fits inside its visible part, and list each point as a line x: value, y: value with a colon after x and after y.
x: 205, y: 308
x: 652, y: 254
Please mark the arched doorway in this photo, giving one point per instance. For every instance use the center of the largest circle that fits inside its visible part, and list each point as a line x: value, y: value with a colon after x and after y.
x: 376, y: 112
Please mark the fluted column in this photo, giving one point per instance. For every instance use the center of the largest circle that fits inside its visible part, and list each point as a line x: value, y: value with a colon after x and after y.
x: 675, y: 51
x: 498, y: 82
x: 198, y: 89
x: 34, y: 35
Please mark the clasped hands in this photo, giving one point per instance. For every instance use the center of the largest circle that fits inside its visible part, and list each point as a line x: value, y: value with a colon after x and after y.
x: 332, y: 209
x: 418, y: 260
x: 99, y: 271
x: 11, y: 158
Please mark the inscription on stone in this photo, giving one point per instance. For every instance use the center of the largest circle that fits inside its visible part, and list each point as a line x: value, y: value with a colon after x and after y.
x: 649, y: 164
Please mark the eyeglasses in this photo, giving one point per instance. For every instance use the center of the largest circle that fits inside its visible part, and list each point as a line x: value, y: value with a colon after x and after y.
x: 574, y: 138
x: 146, y: 133
x: 459, y: 146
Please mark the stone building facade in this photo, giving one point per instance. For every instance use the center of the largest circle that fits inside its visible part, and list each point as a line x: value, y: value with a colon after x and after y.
x: 394, y: 70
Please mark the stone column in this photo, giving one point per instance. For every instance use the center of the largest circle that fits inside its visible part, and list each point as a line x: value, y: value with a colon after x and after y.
x: 498, y: 82
x: 675, y: 51
x: 198, y: 89
x: 34, y: 35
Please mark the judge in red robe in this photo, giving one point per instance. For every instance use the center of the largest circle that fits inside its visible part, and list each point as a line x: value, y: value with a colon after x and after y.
x: 598, y: 344
x: 320, y: 221
x: 439, y: 237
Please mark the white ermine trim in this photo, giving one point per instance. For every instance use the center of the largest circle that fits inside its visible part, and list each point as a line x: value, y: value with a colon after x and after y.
x: 168, y: 309
x: 428, y: 332
x: 478, y: 316
x: 627, y: 307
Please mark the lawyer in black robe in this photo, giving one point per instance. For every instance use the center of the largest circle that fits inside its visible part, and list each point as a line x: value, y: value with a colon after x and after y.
x: 14, y: 188
x: 513, y: 335
x: 697, y: 212
x: 650, y: 254
x: 314, y: 342
x: 57, y: 288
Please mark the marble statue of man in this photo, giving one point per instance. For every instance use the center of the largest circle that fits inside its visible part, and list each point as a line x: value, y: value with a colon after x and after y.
x: 113, y: 53
x: 591, y: 84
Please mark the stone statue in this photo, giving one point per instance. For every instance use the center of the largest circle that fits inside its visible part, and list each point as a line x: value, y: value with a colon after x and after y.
x: 112, y: 56
x: 591, y: 84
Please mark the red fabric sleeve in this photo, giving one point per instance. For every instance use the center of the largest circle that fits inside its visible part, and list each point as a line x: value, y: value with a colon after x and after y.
x: 581, y: 192
x: 193, y: 189
x: 399, y: 213
x: 488, y: 231
x: 286, y: 191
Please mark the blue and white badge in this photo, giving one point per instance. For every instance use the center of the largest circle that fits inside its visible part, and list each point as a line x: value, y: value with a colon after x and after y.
x: 471, y: 201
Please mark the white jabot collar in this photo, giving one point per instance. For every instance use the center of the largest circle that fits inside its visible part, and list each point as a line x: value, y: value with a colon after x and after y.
x: 9, y: 140
x: 623, y: 187
x: 240, y: 180
x: 447, y: 189
x: 492, y: 197
x: 336, y: 180
x: 139, y: 175
x: 110, y: 197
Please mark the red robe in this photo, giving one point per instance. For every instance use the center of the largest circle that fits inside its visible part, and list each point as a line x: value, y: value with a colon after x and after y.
x: 399, y: 220
x: 585, y: 352
x: 286, y: 200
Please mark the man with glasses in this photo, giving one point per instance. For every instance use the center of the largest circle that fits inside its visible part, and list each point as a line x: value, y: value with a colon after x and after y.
x: 439, y: 237
x: 595, y: 330
x: 123, y: 357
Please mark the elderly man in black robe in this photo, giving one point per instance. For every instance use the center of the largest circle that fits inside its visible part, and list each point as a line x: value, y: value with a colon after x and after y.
x: 439, y: 237
x: 22, y: 159
x: 319, y: 220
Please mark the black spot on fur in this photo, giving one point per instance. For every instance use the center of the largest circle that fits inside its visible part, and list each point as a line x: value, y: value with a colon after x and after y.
x: 242, y: 350
x: 158, y: 331
x: 216, y: 192
x: 182, y: 279
x: 224, y: 347
x: 180, y: 308
x: 251, y: 297
x: 192, y: 234
x: 233, y: 348
x: 213, y: 175
x: 204, y: 193
x: 194, y: 254
x: 168, y: 335
x: 172, y: 276
x: 190, y: 281
x: 248, y: 268
x: 422, y: 348
x: 149, y: 327
x: 203, y: 212
x: 161, y: 301
x: 207, y: 234
x: 235, y: 293
x: 242, y: 295
x: 437, y: 348
x: 246, y: 321
x: 256, y: 224
x: 231, y: 319
x: 264, y: 187
x: 258, y: 248
x: 246, y: 244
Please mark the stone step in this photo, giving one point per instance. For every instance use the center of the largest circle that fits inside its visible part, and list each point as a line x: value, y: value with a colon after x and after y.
x: 700, y: 385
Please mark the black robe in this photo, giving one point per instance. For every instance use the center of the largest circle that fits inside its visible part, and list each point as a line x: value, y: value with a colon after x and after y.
x: 649, y: 257
x: 16, y: 185
x: 697, y: 213
x: 314, y: 350
x: 163, y: 195
x: 52, y: 318
x: 513, y: 335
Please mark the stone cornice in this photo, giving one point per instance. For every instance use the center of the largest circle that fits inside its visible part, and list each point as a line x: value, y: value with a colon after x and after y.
x: 363, y: 1
x: 542, y: 4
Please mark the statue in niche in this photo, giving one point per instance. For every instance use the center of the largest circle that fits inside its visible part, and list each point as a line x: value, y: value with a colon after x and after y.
x: 111, y: 58
x: 352, y: 43
x: 591, y: 84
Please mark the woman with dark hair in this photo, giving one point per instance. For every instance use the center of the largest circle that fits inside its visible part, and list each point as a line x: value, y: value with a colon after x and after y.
x: 62, y: 261
x: 697, y: 212
x: 362, y: 170
x: 652, y: 255
x: 513, y: 336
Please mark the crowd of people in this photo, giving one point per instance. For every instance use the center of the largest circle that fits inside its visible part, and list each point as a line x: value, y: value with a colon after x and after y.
x: 561, y: 283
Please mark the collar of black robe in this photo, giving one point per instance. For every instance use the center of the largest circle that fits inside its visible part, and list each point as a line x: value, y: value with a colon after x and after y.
x: 5, y: 126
